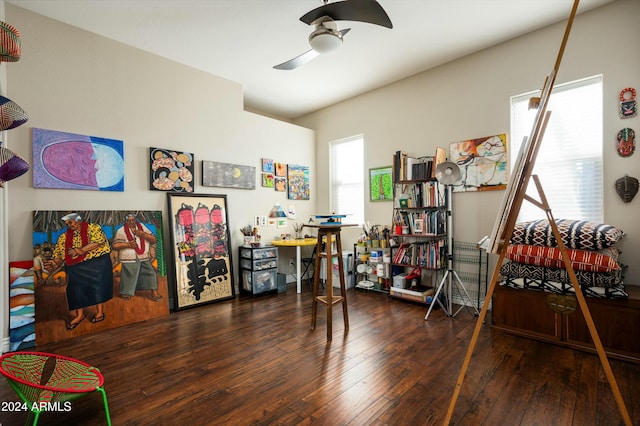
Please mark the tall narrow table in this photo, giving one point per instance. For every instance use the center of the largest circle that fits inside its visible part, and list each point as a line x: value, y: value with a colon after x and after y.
x: 329, y: 232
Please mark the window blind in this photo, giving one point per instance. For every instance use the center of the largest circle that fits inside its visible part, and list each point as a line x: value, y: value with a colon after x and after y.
x: 347, y: 179
x: 569, y: 163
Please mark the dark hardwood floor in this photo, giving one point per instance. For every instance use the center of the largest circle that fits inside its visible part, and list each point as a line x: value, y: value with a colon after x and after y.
x: 255, y: 361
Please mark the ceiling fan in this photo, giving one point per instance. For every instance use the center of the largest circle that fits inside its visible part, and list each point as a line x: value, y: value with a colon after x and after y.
x: 326, y: 37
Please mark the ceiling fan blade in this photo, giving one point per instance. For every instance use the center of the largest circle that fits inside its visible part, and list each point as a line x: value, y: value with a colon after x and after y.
x: 299, y: 60
x: 368, y: 11
x: 305, y: 58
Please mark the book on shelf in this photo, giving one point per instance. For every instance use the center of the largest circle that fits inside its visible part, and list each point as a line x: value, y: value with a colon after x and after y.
x: 406, y: 168
x: 430, y: 223
x: 399, y: 255
x: 399, y: 160
x: 419, y: 195
x: 410, y: 168
x: 422, y: 168
x: 420, y: 254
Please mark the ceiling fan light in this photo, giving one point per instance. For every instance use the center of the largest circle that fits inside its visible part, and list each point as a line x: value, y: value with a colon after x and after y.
x: 324, y: 40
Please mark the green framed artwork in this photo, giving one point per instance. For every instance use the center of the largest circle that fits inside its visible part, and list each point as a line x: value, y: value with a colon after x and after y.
x: 380, y: 184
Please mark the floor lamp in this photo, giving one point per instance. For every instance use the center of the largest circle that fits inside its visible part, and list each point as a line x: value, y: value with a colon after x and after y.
x: 448, y: 173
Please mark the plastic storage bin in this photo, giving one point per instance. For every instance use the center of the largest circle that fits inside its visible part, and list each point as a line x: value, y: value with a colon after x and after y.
x: 400, y: 281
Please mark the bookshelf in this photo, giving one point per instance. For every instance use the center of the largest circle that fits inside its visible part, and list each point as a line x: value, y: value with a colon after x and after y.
x: 419, y: 235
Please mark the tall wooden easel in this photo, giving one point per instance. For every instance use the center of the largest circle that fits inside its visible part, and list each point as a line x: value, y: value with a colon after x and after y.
x: 503, y: 229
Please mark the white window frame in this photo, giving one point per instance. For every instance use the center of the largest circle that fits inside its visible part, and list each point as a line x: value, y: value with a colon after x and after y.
x: 570, y: 161
x: 354, y: 178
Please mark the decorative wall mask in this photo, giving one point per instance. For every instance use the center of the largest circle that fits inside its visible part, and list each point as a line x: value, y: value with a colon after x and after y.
x: 628, y: 105
x: 626, y: 142
x: 627, y: 188
x: 9, y: 43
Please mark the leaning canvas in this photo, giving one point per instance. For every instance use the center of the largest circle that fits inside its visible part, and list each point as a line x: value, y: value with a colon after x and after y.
x: 22, y: 329
x: 200, y: 248
x: 96, y: 270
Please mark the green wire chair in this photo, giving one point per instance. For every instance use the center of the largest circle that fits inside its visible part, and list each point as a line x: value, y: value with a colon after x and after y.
x: 45, y: 381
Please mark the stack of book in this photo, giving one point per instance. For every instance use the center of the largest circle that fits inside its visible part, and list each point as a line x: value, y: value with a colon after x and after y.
x: 424, y: 254
x: 418, y: 293
x: 407, y: 168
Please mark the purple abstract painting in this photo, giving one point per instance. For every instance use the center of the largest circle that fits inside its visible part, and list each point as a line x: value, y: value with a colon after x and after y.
x: 70, y: 161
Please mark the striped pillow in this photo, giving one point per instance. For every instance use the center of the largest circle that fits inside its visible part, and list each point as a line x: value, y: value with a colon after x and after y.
x: 575, y: 234
x: 551, y: 257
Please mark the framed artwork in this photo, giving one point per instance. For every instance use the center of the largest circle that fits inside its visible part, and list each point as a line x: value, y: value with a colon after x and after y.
x: 70, y: 161
x: 200, y: 248
x: 483, y: 163
x: 228, y: 175
x: 280, y: 184
x: 121, y: 281
x: 268, y: 166
x: 380, y: 184
x: 170, y: 170
x: 267, y: 180
x: 298, y: 182
x: 281, y: 169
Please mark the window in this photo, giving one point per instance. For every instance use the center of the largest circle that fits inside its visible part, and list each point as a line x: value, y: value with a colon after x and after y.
x: 347, y: 178
x: 569, y: 163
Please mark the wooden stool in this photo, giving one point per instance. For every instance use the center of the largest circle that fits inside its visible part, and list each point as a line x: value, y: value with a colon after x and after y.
x: 329, y: 233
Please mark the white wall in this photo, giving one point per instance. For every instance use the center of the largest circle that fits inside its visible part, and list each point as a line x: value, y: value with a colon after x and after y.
x: 469, y: 98
x: 75, y: 81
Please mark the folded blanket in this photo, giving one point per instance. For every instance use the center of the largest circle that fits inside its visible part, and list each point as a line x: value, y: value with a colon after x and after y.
x: 556, y: 280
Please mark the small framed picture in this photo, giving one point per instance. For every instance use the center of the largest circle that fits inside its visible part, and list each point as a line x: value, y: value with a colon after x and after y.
x: 268, y: 166
x: 280, y: 184
x: 281, y: 169
x: 380, y: 184
x: 267, y: 180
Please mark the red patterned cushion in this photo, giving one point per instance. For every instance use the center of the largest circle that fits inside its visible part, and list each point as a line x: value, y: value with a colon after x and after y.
x: 575, y: 234
x: 581, y: 260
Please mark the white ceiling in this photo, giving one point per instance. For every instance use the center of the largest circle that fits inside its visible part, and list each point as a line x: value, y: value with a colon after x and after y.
x: 241, y: 40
